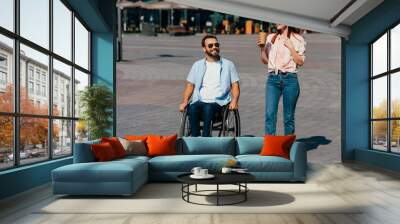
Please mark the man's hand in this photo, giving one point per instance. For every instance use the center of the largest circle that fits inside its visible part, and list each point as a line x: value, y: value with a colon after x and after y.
x: 182, y: 106
x: 233, y: 105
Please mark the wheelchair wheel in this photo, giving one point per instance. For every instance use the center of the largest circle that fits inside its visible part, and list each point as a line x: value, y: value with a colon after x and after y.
x: 231, y: 123
x: 184, y: 130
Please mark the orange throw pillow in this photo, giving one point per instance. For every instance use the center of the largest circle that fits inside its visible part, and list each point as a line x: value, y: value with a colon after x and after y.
x: 277, y: 145
x: 116, y: 145
x: 161, y: 145
x: 103, y: 152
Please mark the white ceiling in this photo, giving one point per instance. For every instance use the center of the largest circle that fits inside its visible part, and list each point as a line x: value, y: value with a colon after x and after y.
x: 324, y: 16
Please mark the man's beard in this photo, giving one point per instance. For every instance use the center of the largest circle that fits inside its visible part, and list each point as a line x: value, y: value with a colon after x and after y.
x: 213, y: 55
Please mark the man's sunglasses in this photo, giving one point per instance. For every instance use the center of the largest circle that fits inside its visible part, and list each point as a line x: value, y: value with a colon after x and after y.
x: 211, y: 45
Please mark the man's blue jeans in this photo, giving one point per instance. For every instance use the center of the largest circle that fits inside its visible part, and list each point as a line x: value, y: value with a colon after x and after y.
x: 206, y: 111
x: 286, y: 85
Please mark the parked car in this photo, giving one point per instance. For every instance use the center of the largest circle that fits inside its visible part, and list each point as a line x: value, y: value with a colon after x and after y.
x: 22, y: 155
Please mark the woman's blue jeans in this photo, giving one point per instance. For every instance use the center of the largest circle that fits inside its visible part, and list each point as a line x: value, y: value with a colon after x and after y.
x: 287, y: 86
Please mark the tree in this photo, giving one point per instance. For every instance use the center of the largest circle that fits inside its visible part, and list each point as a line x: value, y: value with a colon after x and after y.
x: 81, y: 129
x: 33, y: 131
x: 97, y: 104
x: 6, y: 122
x: 396, y: 123
x: 380, y: 127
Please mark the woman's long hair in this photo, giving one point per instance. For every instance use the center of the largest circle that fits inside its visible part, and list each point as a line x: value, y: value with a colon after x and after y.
x: 290, y: 31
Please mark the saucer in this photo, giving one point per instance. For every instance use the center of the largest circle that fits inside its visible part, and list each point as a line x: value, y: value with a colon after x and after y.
x: 208, y: 176
x: 240, y: 171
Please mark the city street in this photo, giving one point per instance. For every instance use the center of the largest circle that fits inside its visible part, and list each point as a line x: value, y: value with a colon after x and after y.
x: 151, y: 78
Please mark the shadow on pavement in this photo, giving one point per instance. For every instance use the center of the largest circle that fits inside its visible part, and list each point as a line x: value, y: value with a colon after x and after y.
x: 170, y: 56
x: 314, y: 141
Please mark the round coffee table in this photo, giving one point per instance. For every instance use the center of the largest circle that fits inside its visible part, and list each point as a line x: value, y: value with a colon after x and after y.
x: 238, y: 179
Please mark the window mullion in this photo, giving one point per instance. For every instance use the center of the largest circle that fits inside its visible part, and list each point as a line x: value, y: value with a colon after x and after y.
x: 73, y: 81
x: 50, y: 81
x: 16, y: 70
x: 371, y: 99
x: 389, y: 101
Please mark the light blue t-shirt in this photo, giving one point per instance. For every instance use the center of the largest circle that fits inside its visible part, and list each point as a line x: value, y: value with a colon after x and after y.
x: 228, y: 75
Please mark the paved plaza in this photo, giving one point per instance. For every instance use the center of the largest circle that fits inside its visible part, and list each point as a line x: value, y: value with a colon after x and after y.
x: 151, y: 78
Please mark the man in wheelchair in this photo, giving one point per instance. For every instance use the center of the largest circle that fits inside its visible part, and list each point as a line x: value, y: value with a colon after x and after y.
x: 212, y: 83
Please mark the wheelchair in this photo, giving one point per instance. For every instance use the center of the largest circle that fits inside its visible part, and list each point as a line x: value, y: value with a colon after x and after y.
x: 225, y: 123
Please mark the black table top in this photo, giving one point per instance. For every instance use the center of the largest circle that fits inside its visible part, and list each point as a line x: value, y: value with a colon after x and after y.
x: 220, y: 178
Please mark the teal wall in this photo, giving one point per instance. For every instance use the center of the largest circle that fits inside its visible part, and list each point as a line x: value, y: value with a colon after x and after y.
x: 24, y: 178
x: 99, y: 16
x: 355, y: 85
x: 103, y: 64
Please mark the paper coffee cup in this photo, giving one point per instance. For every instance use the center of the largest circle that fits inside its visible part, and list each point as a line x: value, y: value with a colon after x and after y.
x: 262, y: 36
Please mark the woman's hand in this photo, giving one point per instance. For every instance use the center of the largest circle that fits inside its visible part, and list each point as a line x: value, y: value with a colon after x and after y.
x: 289, y: 44
x: 296, y: 57
x: 260, y: 43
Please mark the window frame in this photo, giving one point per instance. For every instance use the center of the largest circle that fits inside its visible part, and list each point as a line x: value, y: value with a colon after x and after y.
x: 16, y: 114
x: 388, y: 74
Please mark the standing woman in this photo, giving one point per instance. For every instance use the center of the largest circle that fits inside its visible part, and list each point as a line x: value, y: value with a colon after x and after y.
x: 283, y: 52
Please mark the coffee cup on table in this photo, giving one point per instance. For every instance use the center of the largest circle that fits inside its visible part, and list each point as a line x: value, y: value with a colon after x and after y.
x: 262, y: 38
x: 203, y: 172
x: 196, y: 171
x: 226, y: 170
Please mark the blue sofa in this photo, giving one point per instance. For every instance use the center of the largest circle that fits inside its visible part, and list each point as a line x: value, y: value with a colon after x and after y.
x: 125, y: 176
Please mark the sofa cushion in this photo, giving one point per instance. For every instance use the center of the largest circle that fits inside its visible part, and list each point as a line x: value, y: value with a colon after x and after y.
x: 185, y: 163
x: 134, y: 147
x: 83, y: 153
x: 249, y: 145
x: 112, y: 171
x: 161, y: 145
x: 132, y: 158
x: 206, y: 145
x: 257, y: 163
x: 142, y: 138
x: 103, y: 152
x: 116, y: 145
x: 277, y: 145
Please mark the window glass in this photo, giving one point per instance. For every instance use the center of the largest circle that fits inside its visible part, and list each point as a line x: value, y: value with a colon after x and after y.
x: 6, y: 75
x: 395, y: 136
x: 395, y: 47
x: 33, y: 140
x: 379, y: 56
x: 62, y: 29
x: 39, y: 62
x: 81, y: 45
x: 62, y: 138
x: 6, y: 142
x: 395, y: 95
x: 81, y: 131
x: 379, y: 98
x: 379, y: 135
x: 62, y: 89
x: 7, y: 14
x: 81, y: 82
x: 35, y: 21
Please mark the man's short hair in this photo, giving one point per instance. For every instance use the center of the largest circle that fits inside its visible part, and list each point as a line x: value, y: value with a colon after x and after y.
x: 203, y: 41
